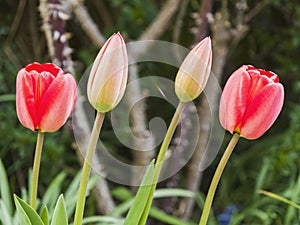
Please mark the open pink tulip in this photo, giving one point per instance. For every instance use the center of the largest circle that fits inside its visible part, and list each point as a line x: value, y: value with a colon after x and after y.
x: 251, y: 101
x: 45, y: 96
x: 108, y: 77
x: 193, y: 73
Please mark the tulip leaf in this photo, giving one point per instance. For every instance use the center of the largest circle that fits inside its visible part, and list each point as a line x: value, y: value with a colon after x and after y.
x: 60, y: 213
x: 23, y: 219
x: 5, y: 217
x: 102, y: 220
x: 173, y: 192
x: 141, y: 198
x: 53, y: 191
x: 45, y: 215
x: 70, y: 195
x: 5, y: 193
x: 159, y: 193
x: 26, y: 214
x: 167, y: 219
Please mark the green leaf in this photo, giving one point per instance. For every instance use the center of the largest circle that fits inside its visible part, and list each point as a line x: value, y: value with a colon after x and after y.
x: 73, y: 186
x: 122, y: 193
x: 23, y: 219
x: 25, y: 192
x: 5, y: 194
x: 141, y: 198
x: 7, y: 98
x: 279, y: 198
x: 53, y: 191
x: 26, y: 214
x: 159, y: 193
x: 71, y: 192
x: 173, y: 192
x: 263, y: 173
x: 5, y: 217
x: 102, y: 219
x: 122, y: 208
x: 60, y: 213
x: 167, y: 219
x: 45, y: 215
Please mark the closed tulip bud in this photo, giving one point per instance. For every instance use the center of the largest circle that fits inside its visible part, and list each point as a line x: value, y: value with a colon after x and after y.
x: 251, y: 101
x: 45, y: 96
x: 193, y: 73
x: 108, y: 77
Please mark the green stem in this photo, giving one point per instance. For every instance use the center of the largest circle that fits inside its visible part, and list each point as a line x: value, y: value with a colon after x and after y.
x: 216, y: 178
x: 36, y: 169
x: 160, y: 159
x: 87, y: 168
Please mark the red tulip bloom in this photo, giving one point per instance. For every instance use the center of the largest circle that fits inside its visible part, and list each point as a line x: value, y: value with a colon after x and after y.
x: 45, y: 96
x: 251, y: 101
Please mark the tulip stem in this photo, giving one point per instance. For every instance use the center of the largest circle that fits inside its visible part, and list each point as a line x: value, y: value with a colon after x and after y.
x: 87, y: 168
x: 160, y: 159
x: 36, y: 169
x: 216, y: 178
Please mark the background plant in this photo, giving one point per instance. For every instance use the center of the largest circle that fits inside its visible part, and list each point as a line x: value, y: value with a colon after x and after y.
x: 272, y: 42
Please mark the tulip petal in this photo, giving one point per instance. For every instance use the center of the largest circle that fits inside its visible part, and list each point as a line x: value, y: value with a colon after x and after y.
x: 96, y: 66
x: 262, y: 112
x: 39, y: 68
x: 114, y: 84
x: 108, y: 76
x: 41, y: 82
x: 258, y: 82
x: 57, y: 103
x: 194, y: 72
x: 111, y: 65
x: 25, y: 101
x: 234, y: 99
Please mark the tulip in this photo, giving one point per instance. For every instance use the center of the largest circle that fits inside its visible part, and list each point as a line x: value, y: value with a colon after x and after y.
x: 193, y: 73
x: 251, y: 101
x: 45, y: 96
x: 190, y: 81
x: 108, y: 77
x: 106, y: 87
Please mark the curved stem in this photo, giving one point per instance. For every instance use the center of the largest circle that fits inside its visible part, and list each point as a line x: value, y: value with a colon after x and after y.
x: 216, y: 178
x: 167, y: 140
x: 36, y: 169
x: 160, y: 159
x: 87, y: 168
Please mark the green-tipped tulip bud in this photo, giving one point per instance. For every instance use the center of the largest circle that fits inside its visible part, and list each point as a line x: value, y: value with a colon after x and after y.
x: 108, y: 77
x: 193, y: 73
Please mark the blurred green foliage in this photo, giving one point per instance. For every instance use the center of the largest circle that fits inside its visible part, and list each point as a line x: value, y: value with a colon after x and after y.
x: 273, y: 42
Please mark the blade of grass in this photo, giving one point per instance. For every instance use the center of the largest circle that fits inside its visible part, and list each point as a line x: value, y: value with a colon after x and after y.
x: 279, y: 198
